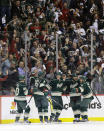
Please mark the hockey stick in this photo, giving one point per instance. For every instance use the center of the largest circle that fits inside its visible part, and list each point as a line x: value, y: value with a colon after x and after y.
x: 57, y: 103
x: 51, y: 106
x: 26, y: 104
x: 29, y: 101
x: 95, y: 94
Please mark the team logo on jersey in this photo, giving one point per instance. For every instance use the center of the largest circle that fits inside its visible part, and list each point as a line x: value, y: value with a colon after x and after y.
x: 73, y: 85
x: 13, y: 106
x: 59, y: 85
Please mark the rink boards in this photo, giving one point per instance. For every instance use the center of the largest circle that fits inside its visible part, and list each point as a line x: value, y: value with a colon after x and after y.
x: 8, y: 110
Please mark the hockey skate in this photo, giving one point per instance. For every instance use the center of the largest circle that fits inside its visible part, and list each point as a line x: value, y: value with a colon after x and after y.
x: 84, y: 120
x: 41, y: 119
x: 17, y: 120
x: 51, y: 119
x: 76, y: 120
x: 57, y: 120
x: 27, y: 121
x: 46, y: 120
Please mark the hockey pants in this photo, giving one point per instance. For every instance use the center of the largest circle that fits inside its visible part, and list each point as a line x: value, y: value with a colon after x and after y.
x: 75, y: 104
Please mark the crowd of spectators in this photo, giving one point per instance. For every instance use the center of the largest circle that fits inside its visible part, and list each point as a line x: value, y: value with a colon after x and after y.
x: 36, y: 23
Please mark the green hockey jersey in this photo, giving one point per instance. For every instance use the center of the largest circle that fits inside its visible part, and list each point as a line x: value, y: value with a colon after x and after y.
x: 74, y: 84
x: 21, y: 91
x: 56, y: 87
x: 85, y: 89
x: 39, y: 85
x: 66, y: 86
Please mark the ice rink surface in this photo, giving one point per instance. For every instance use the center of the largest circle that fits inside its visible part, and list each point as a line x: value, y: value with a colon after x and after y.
x: 88, y: 126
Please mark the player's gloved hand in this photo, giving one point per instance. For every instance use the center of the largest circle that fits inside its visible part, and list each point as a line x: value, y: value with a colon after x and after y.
x: 73, y: 90
x: 35, y: 89
x: 48, y: 97
x: 46, y: 93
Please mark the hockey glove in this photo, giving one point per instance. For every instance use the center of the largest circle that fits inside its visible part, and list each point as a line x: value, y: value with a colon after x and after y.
x: 46, y: 93
x: 73, y: 90
x: 35, y: 89
x: 49, y: 97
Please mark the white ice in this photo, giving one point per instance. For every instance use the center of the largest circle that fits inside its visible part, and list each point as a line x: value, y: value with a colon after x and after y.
x: 89, y: 126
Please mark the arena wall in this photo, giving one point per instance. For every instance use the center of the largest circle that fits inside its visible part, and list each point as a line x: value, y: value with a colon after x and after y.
x: 8, y: 110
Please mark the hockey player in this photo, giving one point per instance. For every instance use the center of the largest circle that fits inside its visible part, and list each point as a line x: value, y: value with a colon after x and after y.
x: 56, y: 96
x: 66, y: 83
x: 75, y: 97
x: 20, y: 98
x: 87, y: 95
x: 39, y: 88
